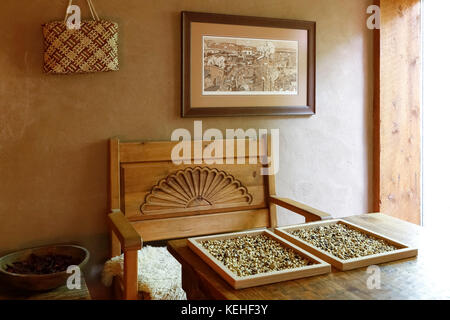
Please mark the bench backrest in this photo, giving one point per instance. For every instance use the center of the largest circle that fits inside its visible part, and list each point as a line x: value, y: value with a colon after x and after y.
x: 164, y: 200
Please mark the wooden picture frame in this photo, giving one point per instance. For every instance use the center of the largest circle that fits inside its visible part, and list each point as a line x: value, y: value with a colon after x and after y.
x: 319, y: 266
x: 269, y: 70
x: 404, y: 251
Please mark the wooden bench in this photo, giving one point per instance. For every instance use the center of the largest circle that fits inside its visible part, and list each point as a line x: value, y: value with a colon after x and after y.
x: 151, y: 198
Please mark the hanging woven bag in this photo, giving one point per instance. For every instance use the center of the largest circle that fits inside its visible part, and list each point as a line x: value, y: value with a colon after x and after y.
x: 93, y: 47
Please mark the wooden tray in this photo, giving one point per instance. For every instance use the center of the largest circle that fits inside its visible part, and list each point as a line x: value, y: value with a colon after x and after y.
x: 402, y: 252
x: 237, y: 282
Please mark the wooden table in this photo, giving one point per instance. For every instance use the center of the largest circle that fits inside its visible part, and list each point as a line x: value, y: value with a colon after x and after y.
x: 423, y: 277
x: 61, y: 293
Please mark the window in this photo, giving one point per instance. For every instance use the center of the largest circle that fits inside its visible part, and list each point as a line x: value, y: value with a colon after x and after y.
x: 436, y: 113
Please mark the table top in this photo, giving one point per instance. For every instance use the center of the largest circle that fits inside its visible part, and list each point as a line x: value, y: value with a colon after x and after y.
x: 421, y: 277
x: 60, y: 293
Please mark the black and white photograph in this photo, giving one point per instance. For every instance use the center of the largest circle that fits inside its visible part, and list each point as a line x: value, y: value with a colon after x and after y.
x: 243, y: 66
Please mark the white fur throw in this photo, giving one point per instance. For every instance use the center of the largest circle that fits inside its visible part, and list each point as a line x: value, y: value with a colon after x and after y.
x: 159, y: 274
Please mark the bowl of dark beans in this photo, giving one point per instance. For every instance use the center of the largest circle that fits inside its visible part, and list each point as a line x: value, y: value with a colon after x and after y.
x: 42, y: 268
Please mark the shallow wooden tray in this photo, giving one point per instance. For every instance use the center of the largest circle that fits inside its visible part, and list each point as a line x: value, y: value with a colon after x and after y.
x: 403, y: 251
x: 320, y: 267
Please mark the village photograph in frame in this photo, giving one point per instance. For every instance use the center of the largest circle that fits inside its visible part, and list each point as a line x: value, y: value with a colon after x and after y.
x: 245, y: 66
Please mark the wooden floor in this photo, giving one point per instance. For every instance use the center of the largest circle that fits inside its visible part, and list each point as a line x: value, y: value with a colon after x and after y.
x: 422, y: 277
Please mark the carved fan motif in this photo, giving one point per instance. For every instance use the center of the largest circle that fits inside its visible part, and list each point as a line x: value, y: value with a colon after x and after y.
x: 196, y: 187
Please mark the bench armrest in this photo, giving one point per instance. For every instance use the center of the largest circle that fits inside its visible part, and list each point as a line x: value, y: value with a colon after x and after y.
x: 130, y: 242
x: 125, y: 232
x: 308, y: 212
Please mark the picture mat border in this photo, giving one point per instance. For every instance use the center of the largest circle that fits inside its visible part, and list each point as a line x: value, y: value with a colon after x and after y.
x: 198, y: 29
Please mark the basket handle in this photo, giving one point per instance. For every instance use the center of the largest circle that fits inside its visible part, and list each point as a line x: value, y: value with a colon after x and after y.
x: 91, y: 8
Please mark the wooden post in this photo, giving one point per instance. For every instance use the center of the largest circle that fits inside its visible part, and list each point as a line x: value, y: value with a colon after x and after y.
x: 376, y: 119
x: 114, y: 182
x: 397, y: 111
x: 130, y: 274
x: 271, y: 186
x: 114, y: 191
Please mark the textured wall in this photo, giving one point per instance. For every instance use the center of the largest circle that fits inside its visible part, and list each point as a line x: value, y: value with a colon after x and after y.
x: 53, y: 129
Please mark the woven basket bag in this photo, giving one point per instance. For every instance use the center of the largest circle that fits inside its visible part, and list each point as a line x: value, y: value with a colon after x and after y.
x: 91, y: 48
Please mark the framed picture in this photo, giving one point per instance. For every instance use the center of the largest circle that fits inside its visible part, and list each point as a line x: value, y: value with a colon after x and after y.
x: 238, y: 66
